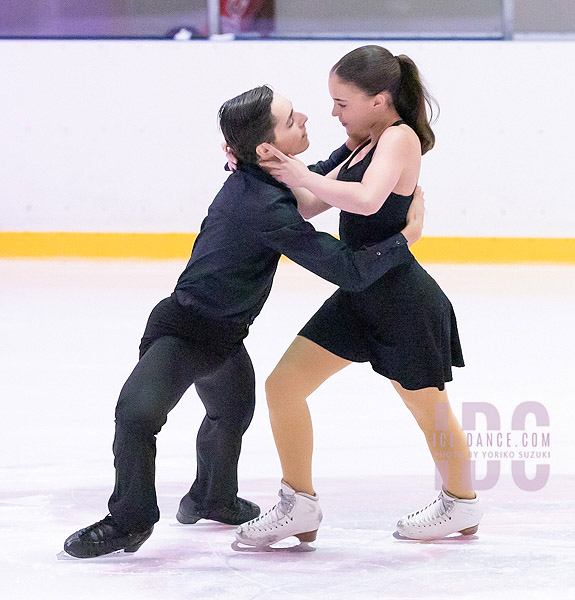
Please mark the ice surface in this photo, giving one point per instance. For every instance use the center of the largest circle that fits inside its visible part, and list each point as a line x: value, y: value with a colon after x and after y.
x: 69, y: 332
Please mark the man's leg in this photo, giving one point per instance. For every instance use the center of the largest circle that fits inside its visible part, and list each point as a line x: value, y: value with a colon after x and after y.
x: 167, y: 368
x: 165, y: 371
x: 228, y: 395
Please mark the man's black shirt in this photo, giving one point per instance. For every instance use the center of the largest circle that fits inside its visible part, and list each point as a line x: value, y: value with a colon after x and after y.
x: 253, y: 221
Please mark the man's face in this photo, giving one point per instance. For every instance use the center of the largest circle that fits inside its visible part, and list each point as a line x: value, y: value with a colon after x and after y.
x: 290, y: 135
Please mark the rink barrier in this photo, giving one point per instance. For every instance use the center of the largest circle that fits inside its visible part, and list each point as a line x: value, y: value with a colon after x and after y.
x: 165, y: 246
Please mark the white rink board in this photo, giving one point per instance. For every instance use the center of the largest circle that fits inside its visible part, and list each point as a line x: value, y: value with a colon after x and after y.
x: 122, y: 136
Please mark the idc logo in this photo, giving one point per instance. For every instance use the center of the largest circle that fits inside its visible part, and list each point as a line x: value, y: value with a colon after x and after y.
x: 528, y: 448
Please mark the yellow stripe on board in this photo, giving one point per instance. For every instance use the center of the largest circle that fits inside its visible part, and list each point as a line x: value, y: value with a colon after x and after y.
x: 160, y: 246
x: 152, y: 246
x: 495, y: 250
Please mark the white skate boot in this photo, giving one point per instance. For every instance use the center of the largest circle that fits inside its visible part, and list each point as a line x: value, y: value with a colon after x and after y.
x: 296, y: 514
x: 443, y: 516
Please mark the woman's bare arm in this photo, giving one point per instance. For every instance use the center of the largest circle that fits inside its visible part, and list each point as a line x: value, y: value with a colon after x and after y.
x: 308, y: 204
x: 394, y: 151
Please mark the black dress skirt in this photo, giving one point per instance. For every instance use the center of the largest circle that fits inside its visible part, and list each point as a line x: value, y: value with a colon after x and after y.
x: 403, y: 324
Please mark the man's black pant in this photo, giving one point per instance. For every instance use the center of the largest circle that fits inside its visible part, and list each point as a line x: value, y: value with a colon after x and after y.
x: 180, y: 348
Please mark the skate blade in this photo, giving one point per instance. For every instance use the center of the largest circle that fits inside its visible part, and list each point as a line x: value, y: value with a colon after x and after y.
x: 462, y: 537
x: 63, y: 555
x: 301, y: 547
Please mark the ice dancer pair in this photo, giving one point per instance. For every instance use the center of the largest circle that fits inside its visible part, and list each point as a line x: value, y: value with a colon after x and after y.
x: 195, y: 336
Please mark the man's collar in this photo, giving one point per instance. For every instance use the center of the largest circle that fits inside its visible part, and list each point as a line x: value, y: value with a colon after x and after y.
x: 262, y: 175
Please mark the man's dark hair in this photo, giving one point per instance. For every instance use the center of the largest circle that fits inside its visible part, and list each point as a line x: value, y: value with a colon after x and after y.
x: 247, y: 121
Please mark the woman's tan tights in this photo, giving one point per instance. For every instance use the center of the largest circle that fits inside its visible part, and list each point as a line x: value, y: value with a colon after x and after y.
x: 303, y: 368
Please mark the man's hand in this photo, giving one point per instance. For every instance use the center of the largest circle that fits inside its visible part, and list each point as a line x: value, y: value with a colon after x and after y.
x: 414, y: 228
x: 355, y: 141
x: 232, y: 160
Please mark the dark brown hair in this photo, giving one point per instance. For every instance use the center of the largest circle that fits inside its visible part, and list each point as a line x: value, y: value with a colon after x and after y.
x: 374, y: 69
x: 246, y: 121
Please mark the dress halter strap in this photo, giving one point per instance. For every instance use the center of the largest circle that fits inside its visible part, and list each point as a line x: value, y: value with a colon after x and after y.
x: 366, y: 143
x: 358, y: 150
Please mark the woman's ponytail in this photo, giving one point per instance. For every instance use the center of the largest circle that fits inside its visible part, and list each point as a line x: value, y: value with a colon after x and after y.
x: 412, y: 101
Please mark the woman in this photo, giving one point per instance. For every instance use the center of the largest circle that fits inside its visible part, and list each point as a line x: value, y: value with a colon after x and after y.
x: 403, y: 324
x: 196, y: 335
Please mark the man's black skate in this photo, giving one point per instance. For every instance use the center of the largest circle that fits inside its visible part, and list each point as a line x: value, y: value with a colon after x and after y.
x: 240, y: 512
x: 102, y: 538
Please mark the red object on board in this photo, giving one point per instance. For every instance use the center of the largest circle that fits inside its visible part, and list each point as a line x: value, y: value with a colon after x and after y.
x: 246, y: 15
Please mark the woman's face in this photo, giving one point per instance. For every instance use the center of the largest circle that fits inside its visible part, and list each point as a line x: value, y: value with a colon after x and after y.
x: 356, y: 111
x: 290, y: 135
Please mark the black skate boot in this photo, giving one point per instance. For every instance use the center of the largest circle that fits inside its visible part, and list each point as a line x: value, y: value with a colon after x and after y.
x: 236, y: 514
x: 102, y: 538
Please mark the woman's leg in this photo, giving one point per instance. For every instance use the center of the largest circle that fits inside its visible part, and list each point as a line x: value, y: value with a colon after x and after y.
x: 444, y: 436
x: 301, y: 370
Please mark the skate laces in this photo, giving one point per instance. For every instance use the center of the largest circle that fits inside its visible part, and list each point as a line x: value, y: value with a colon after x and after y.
x: 96, y: 531
x: 286, y: 503
x: 438, y: 509
x: 276, y: 513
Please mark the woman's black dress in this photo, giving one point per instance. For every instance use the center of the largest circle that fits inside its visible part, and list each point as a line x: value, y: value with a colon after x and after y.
x: 403, y: 324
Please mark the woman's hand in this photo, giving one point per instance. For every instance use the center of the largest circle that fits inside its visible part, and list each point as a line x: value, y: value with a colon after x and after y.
x: 232, y: 160
x: 414, y: 227
x: 287, y: 169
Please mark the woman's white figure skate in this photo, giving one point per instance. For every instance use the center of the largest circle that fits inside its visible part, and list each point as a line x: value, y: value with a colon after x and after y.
x: 444, y: 516
x: 296, y: 514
